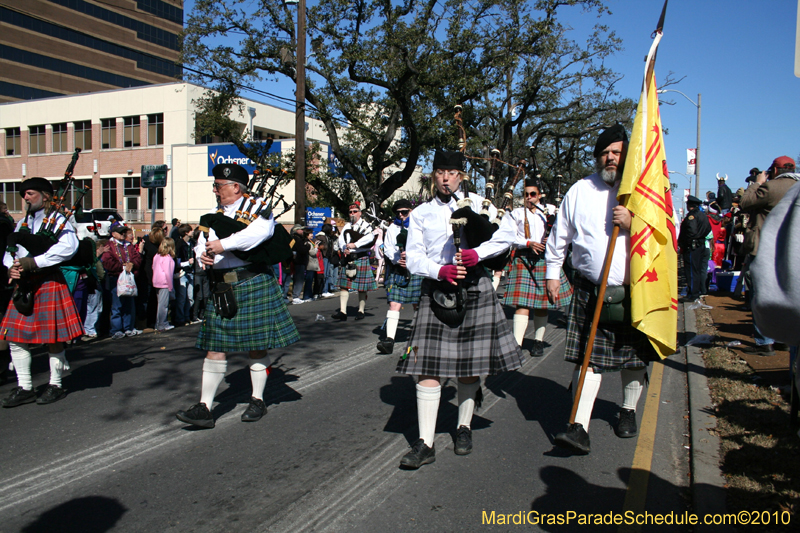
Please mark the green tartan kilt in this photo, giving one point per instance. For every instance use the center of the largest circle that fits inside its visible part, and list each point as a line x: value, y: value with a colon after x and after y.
x: 530, y: 292
x: 262, y: 322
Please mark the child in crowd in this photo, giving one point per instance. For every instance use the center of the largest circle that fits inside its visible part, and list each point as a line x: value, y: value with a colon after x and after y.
x: 163, y: 269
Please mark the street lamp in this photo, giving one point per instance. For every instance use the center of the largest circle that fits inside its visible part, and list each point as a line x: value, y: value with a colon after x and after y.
x: 300, y: 115
x: 697, y: 154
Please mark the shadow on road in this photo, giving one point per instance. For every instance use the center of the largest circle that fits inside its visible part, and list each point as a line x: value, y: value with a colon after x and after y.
x: 91, y: 514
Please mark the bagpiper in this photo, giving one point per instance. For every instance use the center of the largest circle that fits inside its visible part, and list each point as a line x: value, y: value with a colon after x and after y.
x: 355, y: 242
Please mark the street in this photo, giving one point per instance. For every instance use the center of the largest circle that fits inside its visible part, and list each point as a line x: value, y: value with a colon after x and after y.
x: 112, y: 456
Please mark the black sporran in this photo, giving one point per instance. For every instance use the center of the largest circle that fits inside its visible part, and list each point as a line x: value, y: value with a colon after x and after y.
x: 225, y: 300
x: 23, y: 301
x: 444, y: 304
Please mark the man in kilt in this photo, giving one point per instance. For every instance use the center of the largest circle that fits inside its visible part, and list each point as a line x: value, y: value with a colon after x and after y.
x: 55, y: 319
x: 262, y: 321
x: 586, y: 219
x: 480, y: 342
x: 526, y: 287
x: 355, y: 241
x: 402, y: 287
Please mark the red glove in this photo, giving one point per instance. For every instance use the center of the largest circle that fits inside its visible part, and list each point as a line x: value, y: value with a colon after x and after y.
x: 448, y: 273
x: 469, y: 258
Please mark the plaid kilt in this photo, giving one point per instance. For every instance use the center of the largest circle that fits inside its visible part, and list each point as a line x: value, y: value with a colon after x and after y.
x: 262, y: 322
x: 529, y: 292
x: 55, y: 317
x: 482, y: 345
x: 364, y: 280
x: 404, y: 295
x: 615, y: 346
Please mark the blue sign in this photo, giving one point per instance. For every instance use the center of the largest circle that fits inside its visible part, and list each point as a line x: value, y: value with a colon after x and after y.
x: 315, y: 217
x: 219, y: 154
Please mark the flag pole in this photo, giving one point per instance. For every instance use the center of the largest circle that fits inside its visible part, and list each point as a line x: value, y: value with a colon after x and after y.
x: 601, y: 291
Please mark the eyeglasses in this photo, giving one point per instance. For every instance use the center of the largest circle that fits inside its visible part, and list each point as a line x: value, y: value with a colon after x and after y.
x: 354, y: 211
x: 217, y: 186
x: 531, y: 194
x: 403, y: 212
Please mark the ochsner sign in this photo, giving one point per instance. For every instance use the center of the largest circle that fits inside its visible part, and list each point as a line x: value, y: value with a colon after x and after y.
x: 219, y: 154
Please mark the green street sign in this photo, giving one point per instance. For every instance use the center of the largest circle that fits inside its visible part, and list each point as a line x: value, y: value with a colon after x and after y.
x: 154, y: 176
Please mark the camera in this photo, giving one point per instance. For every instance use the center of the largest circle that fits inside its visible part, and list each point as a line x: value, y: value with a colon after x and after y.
x: 754, y: 172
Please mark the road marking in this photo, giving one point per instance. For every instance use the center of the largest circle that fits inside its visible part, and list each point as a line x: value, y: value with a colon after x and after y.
x: 636, y: 494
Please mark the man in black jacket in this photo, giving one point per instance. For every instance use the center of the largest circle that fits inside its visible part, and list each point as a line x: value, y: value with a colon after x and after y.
x: 694, y: 230
x: 724, y: 194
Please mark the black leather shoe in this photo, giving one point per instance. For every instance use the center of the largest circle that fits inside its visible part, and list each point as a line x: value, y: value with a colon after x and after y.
x: 764, y: 349
x: 359, y: 316
x: 52, y: 393
x: 538, y: 349
x: 19, y: 396
x: 197, y: 415
x: 419, y: 455
x: 575, y: 439
x: 626, y: 428
x: 338, y: 315
x: 463, y: 441
x: 386, y: 346
x: 254, y: 411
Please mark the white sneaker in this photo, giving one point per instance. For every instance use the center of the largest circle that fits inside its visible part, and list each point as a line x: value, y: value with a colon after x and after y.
x: 328, y: 295
x: 118, y: 335
x: 297, y: 301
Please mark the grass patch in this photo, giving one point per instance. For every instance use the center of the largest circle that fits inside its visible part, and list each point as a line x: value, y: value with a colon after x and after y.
x: 759, y: 450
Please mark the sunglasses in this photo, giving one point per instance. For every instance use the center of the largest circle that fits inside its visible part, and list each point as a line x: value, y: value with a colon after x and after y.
x: 355, y: 211
x: 403, y: 212
x: 218, y: 186
x: 531, y: 194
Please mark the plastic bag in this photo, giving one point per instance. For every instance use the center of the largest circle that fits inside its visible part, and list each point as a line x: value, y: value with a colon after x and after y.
x: 126, y: 285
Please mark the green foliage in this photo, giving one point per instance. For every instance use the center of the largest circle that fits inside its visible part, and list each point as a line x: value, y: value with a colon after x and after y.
x: 384, y: 76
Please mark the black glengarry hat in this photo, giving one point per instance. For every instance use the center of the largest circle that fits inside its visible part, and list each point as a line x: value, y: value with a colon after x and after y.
x: 36, y: 184
x: 403, y: 203
x: 231, y: 173
x: 609, y: 136
x: 445, y: 160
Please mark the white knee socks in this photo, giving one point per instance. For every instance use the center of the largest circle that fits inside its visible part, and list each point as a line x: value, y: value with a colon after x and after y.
x: 343, y: 296
x: 520, y: 326
x: 632, y: 385
x: 21, y: 358
x: 591, y: 386
x: 362, y: 301
x: 466, y: 402
x: 213, y: 374
x: 539, y: 326
x: 392, y: 319
x: 427, y: 409
x: 259, y: 372
x: 58, y: 363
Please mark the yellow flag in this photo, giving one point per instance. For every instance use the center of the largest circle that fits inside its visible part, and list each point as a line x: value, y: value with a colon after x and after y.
x: 645, y: 190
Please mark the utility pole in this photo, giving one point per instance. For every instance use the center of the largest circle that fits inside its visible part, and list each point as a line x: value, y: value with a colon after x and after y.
x: 300, y: 118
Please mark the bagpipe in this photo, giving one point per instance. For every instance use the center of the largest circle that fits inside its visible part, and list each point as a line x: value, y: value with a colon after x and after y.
x: 352, y: 235
x: 48, y: 234
x: 272, y: 251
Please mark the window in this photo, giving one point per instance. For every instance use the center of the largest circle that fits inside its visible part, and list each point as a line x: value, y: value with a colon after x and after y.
x: 60, y: 137
x: 131, y: 132
x: 83, y: 135
x: 258, y: 135
x: 131, y: 186
x: 13, y: 141
x: 36, y: 140
x: 109, y: 133
x: 159, y: 192
x: 206, y: 139
x: 9, y: 192
x: 155, y: 129
x: 73, y: 194
x: 109, y: 192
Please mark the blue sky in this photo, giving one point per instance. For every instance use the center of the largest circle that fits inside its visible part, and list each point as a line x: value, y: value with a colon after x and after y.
x: 738, y: 54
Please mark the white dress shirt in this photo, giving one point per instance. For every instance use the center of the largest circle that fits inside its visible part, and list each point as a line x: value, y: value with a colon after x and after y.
x: 364, y: 244
x: 62, y: 250
x: 430, y: 237
x: 585, y: 220
x: 245, y: 239
x: 390, y: 249
x: 536, y: 225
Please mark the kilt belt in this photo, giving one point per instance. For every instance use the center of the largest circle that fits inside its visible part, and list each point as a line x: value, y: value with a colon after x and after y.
x: 232, y: 275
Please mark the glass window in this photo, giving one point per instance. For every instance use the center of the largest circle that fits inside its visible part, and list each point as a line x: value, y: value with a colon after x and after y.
x: 13, y: 141
x: 155, y: 129
x: 131, y: 186
x: 72, y: 196
x: 83, y: 135
x: 109, y: 133
x: 109, y: 192
x: 9, y: 191
x: 131, y: 132
x: 60, y: 137
x: 159, y: 198
x: 36, y: 140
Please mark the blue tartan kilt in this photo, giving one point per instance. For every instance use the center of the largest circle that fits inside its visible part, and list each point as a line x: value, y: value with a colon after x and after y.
x: 262, y: 322
x: 364, y: 280
x: 615, y: 347
x: 403, y: 295
x: 530, y: 292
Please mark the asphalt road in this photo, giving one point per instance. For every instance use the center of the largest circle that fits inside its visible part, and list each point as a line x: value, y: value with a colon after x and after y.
x: 112, y: 456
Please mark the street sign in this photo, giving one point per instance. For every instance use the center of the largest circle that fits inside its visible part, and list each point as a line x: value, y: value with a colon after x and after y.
x: 154, y: 176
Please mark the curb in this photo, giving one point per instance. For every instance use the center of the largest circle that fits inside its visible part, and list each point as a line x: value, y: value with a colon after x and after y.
x: 708, y: 484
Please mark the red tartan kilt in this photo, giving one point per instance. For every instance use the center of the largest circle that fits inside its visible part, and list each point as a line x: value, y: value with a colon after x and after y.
x: 55, y: 317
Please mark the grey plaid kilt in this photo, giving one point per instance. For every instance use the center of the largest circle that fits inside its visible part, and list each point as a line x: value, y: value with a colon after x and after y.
x: 615, y: 346
x: 262, y: 322
x: 528, y: 292
x: 364, y: 280
x: 482, y: 345
x: 404, y: 295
